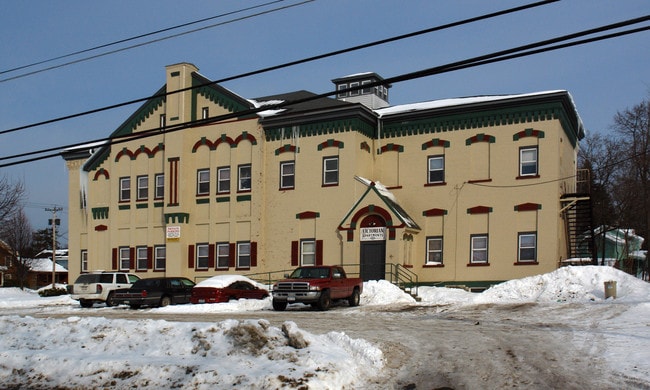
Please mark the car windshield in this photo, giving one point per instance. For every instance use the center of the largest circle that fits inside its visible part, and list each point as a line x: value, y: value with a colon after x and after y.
x: 310, y: 273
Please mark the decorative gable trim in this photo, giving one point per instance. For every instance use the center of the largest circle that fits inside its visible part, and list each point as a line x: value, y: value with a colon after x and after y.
x: 528, y: 133
x: 213, y: 145
x: 528, y: 207
x: 391, y: 148
x: 435, y: 142
x: 308, y: 215
x: 287, y: 149
x: 481, y: 137
x: 330, y: 143
x: 434, y: 212
x: 479, y: 210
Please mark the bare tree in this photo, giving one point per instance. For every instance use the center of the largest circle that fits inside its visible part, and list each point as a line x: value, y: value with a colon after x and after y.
x: 17, y: 233
x: 11, y: 195
x: 600, y: 155
x: 632, y: 128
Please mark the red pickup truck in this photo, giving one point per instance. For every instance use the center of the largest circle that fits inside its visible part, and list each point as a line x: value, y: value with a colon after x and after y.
x: 317, y: 286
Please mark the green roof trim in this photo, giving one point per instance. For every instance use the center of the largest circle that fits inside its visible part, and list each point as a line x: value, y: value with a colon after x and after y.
x: 322, y: 128
x: 100, y: 212
x: 526, y: 113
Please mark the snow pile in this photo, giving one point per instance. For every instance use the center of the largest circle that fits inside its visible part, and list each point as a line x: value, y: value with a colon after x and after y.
x: 160, y: 354
x: 575, y: 284
x: 13, y: 297
x: 383, y: 292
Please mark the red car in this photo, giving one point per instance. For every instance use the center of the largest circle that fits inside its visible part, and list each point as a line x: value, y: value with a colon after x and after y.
x: 223, y: 288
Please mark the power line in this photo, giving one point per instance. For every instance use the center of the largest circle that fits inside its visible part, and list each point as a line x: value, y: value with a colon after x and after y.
x: 289, y: 64
x: 147, y: 42
x: 503, y: 55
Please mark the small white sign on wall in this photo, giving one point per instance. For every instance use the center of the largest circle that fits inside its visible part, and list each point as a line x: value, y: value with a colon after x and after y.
x: 373, y: 233
x: 173, y: 232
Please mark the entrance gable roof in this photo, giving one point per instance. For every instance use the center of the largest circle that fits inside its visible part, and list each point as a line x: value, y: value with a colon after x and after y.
x: 388, y: 200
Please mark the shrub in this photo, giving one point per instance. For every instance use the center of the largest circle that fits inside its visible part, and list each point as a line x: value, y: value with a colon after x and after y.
x: 52, y: 292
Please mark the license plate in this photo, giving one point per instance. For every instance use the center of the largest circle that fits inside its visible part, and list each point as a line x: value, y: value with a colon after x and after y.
x: 126, y: 302
x: 291, y: 298
x: 201, y: 300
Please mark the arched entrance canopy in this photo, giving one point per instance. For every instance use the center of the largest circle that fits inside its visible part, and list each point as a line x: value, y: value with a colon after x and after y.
x: 387, y: 207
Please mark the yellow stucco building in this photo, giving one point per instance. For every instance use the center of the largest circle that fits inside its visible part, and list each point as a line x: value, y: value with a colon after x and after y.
x: 200, y: 181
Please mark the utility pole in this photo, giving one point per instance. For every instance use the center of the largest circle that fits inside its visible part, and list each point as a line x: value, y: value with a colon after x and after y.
x: 54, y: 221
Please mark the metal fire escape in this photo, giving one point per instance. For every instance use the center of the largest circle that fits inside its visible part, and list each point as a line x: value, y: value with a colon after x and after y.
x: 577, y: 213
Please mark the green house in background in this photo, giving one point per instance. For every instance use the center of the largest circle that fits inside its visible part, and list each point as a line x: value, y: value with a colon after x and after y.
x: 619, y: 248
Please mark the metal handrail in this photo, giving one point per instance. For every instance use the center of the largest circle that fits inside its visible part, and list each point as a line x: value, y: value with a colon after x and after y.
x: 395, y: 273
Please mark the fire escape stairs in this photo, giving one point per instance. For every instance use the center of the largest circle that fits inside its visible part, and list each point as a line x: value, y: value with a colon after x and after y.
x: 576, y: 210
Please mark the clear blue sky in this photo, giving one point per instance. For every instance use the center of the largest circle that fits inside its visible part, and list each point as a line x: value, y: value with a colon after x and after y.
x: 603, y: 77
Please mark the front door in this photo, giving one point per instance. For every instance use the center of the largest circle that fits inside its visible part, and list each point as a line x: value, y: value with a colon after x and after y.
x: 373, y: 260
x: 373, y: 248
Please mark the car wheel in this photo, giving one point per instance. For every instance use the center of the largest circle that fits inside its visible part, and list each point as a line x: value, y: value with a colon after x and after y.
x: 324, y: 301
x: 279, y: 306
x: 85, y: 303
x: 165, y: 301
x: 109, y: 300
x: 354, y: 299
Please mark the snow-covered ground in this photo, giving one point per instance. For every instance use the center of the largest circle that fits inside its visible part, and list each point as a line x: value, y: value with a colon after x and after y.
x: 90, y: 352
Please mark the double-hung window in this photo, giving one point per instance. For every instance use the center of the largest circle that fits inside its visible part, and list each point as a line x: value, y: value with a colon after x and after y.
x: 160, y: 258
x: 331, y: 171
x: 245, y: 175
x: 125, y: 189
x: 125, y: 258
x: 159, y: 191
x: 143, y: 187
x: 528, y: 161
x: 244, y: 254
x: 287, y: 175
x: 308, y: 252
x: 436, y: 170
x: 203, y: 182
x: 223, y: 255
x: 434, y: 250
x: 202, y: 256
x: 141, y: 258
x: 223, y: 180
x: 479, y: 249
x: 527, y: 247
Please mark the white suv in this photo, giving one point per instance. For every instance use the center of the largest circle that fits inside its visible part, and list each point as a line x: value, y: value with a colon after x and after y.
x: 98, y: 287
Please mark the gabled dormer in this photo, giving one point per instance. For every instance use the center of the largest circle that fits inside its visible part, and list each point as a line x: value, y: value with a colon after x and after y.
x: 373, y: 96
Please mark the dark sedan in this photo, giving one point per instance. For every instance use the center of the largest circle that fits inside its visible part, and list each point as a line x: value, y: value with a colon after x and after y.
x: 155, y: 292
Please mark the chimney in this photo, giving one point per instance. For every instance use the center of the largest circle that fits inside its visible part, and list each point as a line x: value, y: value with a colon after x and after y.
x: 179, y: 105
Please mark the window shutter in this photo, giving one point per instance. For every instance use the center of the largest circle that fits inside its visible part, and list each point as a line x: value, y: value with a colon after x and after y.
x: 253, y: 254
x: 294, y: 253
x: 211, y: 256
x: 114, y: 255
x: 132, y: 258
x: 231, y: 255
x: 149, y: 257
x: 319, y: 252
x: 190, y: 256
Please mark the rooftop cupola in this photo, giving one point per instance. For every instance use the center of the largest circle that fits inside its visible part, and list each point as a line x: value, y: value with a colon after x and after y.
x: 372, y: 96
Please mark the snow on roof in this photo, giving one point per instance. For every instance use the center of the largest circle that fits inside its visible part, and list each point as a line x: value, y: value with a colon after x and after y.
x: 262, y: 103
x: 357, y: 75
x: 45, y: 265
x: 221, y: 281
x: 432, y: 104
